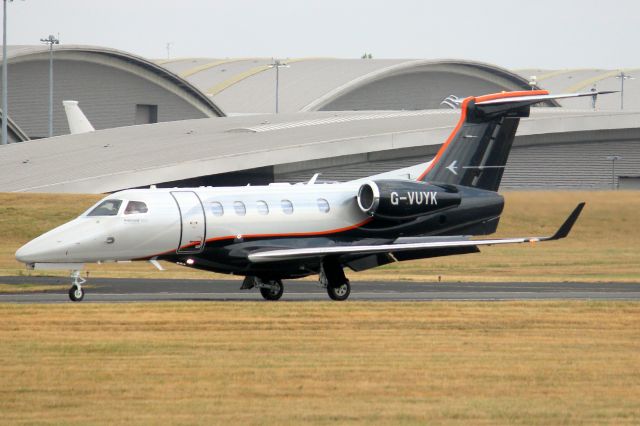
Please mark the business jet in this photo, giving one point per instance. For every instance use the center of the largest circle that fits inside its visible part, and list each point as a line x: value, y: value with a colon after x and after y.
x: 287, y: 231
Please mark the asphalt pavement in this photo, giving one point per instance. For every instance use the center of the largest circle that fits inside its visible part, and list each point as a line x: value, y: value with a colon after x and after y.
x: 146, y: 290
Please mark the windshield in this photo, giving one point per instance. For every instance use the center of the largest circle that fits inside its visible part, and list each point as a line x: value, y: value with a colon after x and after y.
x: 106, y: 208
x: 135, y: 207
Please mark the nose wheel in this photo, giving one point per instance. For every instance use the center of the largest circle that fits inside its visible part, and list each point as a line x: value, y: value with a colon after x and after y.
x: 76, y: 292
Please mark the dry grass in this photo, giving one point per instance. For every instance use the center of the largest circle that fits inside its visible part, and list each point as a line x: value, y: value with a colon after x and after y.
x: 603, y: 246
x: 321, y: 363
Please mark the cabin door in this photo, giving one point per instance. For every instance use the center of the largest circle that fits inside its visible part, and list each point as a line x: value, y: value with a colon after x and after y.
x: 193, y: 222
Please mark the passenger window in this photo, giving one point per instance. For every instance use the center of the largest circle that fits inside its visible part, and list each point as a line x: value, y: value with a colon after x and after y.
x: 323, y: 205
x: 287, y: 207
x: 216, y: 208
x: 263, y: 208
x: 240, y: 208
x: 106, y: 208
x: 136, y: 207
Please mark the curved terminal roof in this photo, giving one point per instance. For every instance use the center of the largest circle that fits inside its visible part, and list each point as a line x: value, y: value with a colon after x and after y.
x: 114, y: 159
x: 583, y: 80
x: 107, y: 82
x: 247, y: 85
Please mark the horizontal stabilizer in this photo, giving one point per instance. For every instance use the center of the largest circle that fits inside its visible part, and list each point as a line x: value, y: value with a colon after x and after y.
x: 430, y: 243
x: 533, y: 99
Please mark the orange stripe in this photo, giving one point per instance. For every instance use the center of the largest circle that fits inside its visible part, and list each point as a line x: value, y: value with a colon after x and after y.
x: 463, y: 116
x: 443, y: 148
x: 292, y: 234
x: 297, y: 234
x: 503, y: 95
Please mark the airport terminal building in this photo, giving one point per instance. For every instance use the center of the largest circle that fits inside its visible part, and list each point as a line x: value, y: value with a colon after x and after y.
x: 209, y: 121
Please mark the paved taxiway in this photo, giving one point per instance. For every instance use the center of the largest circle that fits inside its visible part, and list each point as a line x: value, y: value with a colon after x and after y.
x: 134, y: 290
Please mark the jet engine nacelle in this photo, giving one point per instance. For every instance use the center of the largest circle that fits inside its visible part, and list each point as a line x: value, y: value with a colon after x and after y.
x: 401, y: 199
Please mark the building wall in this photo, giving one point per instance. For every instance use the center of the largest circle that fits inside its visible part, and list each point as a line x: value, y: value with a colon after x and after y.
x: 107, y: 95
x: 557, y: 166
x: 412, y: 91
x: 571, y: 165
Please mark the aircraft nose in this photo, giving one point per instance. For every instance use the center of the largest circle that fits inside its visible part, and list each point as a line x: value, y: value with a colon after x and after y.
x: 26, y: 253
x: 38, y: 250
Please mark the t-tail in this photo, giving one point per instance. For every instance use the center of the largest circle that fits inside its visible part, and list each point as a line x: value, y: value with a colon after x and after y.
x: 476, y: 152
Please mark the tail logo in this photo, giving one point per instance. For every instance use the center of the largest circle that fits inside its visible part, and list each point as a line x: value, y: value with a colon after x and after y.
x: 452, y: 167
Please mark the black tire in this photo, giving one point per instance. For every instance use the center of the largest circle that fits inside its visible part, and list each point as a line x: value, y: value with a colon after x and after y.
x: 76, y: 294
x: 273, y: 294
x: 339, y: 292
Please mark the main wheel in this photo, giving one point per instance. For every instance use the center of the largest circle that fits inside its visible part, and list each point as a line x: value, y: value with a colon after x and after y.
x: 339, y: 291
x: 273, y: 293
x: 76, y: 293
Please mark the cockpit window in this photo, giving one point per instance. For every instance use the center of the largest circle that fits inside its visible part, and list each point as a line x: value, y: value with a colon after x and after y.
x: 106, y: 208
x: 135, y: 207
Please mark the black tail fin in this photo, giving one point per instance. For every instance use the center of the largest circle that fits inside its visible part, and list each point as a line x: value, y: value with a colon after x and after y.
x: 476, y: 152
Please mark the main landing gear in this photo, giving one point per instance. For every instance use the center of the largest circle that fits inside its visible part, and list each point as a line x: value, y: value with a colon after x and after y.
x: 269, y: 289
x: 76, y: 292
x: 333, y: 279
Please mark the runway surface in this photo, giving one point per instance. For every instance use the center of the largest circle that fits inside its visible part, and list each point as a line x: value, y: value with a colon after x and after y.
x: 139, y: 290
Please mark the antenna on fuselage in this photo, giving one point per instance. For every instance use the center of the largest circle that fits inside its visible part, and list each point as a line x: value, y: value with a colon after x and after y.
x: 313, y: 179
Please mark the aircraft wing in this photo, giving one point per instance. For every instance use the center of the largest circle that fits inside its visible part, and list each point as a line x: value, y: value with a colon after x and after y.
x: 432, y: 243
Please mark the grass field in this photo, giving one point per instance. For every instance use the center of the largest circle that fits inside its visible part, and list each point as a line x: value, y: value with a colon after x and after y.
x: 321, y: 363
x: 602, y: 247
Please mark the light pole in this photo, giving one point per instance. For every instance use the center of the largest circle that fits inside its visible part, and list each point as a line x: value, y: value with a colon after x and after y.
x: 613, y: 159
x: 51, y: 40
x: 622, y: 76
x: 169, y: 49
x: 5, y: 137
x: 277, y: 64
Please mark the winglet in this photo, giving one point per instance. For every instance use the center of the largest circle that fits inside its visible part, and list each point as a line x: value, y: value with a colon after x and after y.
x: 564, y: 230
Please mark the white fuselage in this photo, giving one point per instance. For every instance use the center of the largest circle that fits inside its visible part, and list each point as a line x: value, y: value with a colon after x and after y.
x: 182, y: 219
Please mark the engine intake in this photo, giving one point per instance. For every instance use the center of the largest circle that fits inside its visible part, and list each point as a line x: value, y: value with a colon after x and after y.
x: 403, y: 199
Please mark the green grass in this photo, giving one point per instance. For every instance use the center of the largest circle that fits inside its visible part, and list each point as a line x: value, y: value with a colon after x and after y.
x: 602, y: 247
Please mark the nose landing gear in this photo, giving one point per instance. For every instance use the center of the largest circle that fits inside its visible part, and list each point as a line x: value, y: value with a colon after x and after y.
x: 76, y: 292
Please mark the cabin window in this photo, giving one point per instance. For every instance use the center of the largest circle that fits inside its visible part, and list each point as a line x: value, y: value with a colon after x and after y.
x: 136, y: 207
x: 323, y: 205
x: 263, y: 208
x: 287, y: 207
x: 216, y: 208
x: 106, y: 208
x: 240, y: 208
